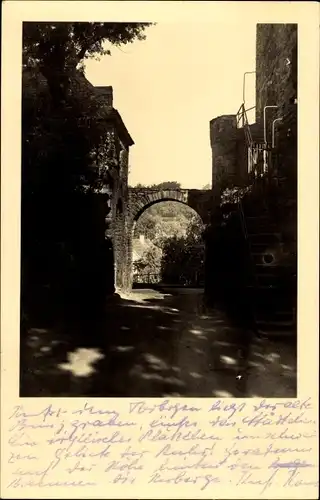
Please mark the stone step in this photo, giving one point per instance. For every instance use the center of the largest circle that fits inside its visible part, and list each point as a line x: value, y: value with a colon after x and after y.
x: 274, y: 270
x: 255, y: 201
x: 279, y: 272
x: 267, y: 289
x: 276, y: 315
x: 266, y: 324
x: 269, y: 267
x: 278, y: 334
x: 267, y: 275
x: 259, y: 250
x: 262, y: 237
x: 277, y: 297
x: 257, y: 218
x: 261, y: 224
x: 270, y: 280
x: 256, y: 211
x: 270, y: 310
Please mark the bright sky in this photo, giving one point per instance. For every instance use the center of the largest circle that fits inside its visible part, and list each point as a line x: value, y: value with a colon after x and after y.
x: 168, y: 88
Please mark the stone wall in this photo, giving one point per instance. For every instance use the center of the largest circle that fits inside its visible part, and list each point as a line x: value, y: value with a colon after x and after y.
x: 117, y: 232
x: 276, y: 84
x: 223, y: 139
x: 138, y: 200
x: 276, y: 66
x: 120, y: 228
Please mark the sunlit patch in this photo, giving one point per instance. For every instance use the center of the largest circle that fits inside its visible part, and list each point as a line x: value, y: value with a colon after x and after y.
x: 173, y: 309
x: 176, y: 369
x: 124, y: 328
x: 258, y: 355
x: 195, y: 375
x: 45, y: 349
x: 198, y: 351
x: 273, y: 356
x: 168, y: 380
x: 81, y: 361
x: 286, y: 367
x: 222, y: 394
x: 155, y: 362
x: 224, y: 344
x: 196, y: 331
x: 146, y: 306
x: 143, y: 296
x: 227, y: 360
x: 123, y: 348
x: 255, y: 365
x: 38, y: 330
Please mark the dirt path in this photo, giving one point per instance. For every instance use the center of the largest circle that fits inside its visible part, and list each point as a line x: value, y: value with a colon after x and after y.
x: 151, y: 344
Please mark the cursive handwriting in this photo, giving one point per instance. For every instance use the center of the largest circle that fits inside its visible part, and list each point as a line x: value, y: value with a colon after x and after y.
x: 246, y: 445
x: 171, y: 409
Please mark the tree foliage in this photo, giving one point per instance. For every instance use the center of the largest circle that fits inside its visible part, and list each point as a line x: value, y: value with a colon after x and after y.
x: 59, y: 48
x: 177, y: 231
x: 163, y: 185
x: 68, y: 149
x: 61, y: 145
x: 183, y: 256
x: 150, y: 261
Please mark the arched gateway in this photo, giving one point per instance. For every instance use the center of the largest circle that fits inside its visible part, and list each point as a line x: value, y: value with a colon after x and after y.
x: 139, y: 200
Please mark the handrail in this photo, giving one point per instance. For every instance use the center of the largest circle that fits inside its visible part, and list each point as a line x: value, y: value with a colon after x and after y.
x: 242, y: 114
x: 273, y: 129
x: 265, y: 123
x: 249, y: 109
x: 242, y: 111
x: 254, y: 149
x: 148, y: 278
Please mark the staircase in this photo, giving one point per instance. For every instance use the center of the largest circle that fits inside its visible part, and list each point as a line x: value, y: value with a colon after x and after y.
x: 272, y: 284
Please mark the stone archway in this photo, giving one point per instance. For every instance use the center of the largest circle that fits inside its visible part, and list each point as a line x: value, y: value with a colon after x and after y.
x: 140, y: 200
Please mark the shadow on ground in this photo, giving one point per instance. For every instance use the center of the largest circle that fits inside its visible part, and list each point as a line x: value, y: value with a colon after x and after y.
x: 152, y: 344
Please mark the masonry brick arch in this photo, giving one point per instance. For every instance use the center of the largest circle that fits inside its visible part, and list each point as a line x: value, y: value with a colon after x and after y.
x: 139, y: 200
x: 142, y: 199
x: 137, y: 213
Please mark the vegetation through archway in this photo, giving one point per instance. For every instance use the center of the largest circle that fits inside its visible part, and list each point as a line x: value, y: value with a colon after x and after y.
x: 168, y: 246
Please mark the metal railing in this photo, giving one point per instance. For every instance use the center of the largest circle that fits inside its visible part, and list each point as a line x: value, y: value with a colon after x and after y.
x: 243, y: 122
x: 182, y: 280
x: 255, y: 160
x: 146, y: 278
x: 255, y: 149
